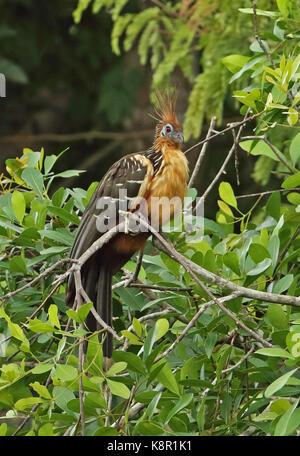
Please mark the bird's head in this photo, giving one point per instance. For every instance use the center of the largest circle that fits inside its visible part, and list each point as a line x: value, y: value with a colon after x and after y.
x: 168, y: 131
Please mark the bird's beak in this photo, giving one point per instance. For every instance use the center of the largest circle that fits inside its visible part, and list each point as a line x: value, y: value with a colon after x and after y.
x: 177, y: 136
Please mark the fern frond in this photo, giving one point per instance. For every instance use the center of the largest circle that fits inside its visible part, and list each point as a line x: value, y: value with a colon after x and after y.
x: 117, y: 31
x: 145, y: 43
x: 99, y: 4
x: 81, y: 7
x: 137, y: 24
x: 119, y: 5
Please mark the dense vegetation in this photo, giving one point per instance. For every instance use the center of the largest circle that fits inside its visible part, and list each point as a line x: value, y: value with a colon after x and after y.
x: 208, y: 337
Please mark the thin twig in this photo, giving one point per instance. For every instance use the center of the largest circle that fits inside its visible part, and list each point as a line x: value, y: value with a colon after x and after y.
x: 43, y: 303
x: 160, y: 287
x: 222, y: 169
x: 191, y: 324
x: 36, y: 279
x: 284, y: 252
x: 268, y: 192
x: 227, y: 284
x: 257, y: 37
x: 229, y: 369
x: 180, y: 259
x: 236, y: 159
x: 280, y: 158
x: 222, y: 132
x: 135, y: 275
x: 34, y: 408
x: 127, y: 406
x: 202, y: 153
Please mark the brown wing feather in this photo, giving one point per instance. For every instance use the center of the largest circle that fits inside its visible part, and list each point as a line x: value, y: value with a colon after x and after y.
x: 132, y: 173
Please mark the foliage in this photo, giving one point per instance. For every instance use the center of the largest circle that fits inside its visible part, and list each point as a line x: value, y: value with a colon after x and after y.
x: 189, y: 392
x: 219, y: 379
x: 173, y: 35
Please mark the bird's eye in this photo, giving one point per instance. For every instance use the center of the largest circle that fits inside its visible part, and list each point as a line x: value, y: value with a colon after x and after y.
x: 168, y: 128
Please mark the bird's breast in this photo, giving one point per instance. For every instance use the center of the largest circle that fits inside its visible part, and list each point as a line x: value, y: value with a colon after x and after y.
x: 169, y: 186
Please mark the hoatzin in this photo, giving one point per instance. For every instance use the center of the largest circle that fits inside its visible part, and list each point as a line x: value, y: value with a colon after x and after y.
x: 162, y: 171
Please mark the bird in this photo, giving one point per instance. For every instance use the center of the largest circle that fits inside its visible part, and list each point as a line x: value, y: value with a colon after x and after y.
x: 159, y: 172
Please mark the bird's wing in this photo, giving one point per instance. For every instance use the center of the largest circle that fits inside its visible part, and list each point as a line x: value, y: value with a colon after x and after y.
x: 126, y: 182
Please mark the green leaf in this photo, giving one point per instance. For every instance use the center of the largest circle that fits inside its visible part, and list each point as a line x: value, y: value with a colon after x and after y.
x: 210, y: 341
x: 66, y: 372
x: 292, y: 181
x: 260, y: 267
x: 226, y: 194
x: 46, y: 430
x: 259, y: 12
x: 283, y: 422
x: 42, y: 368
x: 62, y: 396
x: 273, y: 205
x: 95, y: 354
x: 283, y: 6
x: 3, y: 429
x: 294, y: 198
x: 235, y: 62
x: 259, y: 147
x: 19, y: 205
x: 149, y: 428
x: 280, y: 406
x: 283, y: 284
x: 133, y: 361
x: 37, y: 325
x: 182, y: 403
x: 274, y: 352
x: 258, y: 252
x: 162, y: 326
x: 15, y: 330
x: 64, y: 215
x: 133, y: 339
x: 118, y: 389
x: 295, y: 149
x: 41, y: 390
x: 225, y: 208
x: 231, y: 260
x: 13, y: 72
x: 167, y: 378
x: 149, y: 342
x: 138, y: 328
x: 34, y: 179
x: 84, y: 310
x: 17, y: 264
x: 278, y: 383
x: 96, y: 400
x: 49, y: 163
x: 106, y: 431
x: 70, y: 173
x: 116, y: 368
x: 27, y: 403
x: 53, y: 312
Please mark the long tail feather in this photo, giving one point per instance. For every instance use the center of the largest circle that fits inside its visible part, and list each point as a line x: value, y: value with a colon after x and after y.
x: 104, y: 306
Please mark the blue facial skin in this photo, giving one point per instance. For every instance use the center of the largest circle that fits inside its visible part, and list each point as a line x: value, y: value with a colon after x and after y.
x: 168, y: 131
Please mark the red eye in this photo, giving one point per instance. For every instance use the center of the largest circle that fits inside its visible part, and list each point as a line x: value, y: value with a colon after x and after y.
x: 168, y: 129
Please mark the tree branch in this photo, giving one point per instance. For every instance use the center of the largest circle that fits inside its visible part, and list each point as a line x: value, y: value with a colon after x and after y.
x: 202, y: 153
x: 82, y: 136
x: 280, y: 158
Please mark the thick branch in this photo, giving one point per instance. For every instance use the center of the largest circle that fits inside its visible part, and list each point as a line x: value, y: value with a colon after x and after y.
x: 82, y: 136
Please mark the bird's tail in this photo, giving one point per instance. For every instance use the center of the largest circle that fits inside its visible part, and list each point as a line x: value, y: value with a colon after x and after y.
x: 104, y: 309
